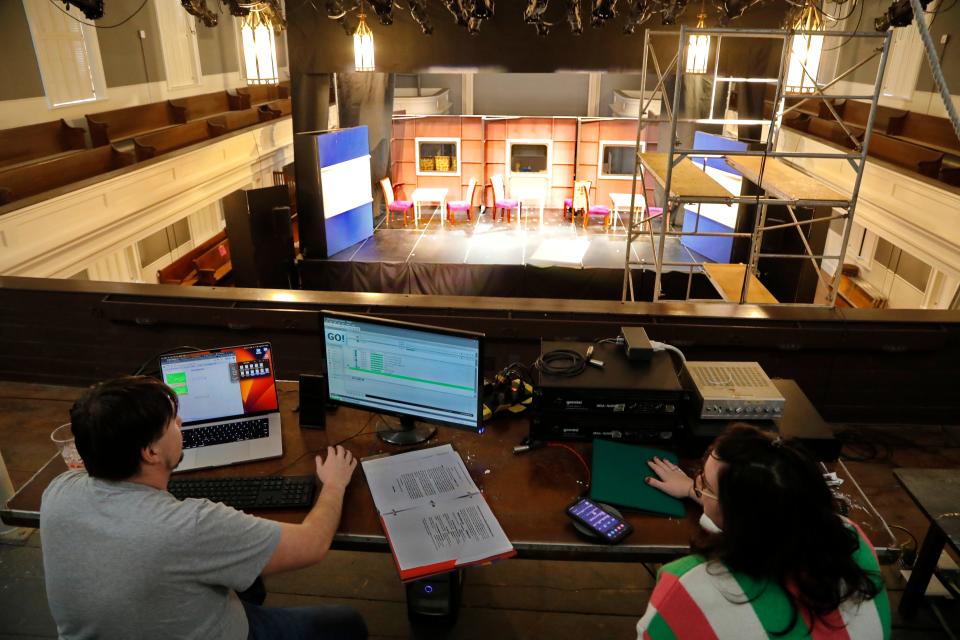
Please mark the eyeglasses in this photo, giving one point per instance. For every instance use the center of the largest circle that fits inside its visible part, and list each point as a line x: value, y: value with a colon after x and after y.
x: 699, y: 489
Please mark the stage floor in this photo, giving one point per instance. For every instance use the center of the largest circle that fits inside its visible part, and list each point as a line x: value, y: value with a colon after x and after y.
x: 557, y: 243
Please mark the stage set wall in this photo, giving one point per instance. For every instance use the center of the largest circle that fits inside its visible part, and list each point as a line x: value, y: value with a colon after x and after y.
x: 854, y: 364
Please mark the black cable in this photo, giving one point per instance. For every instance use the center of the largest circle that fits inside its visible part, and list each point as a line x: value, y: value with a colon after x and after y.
x: 855, y: 29
x: 903, y: 562
x: 181, y: 349
x: 97, y: 26
x: 562, y: 362
x: 363, y: 431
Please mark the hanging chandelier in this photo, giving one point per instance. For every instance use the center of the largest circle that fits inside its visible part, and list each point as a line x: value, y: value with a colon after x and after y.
x: 698, y: 47
x: 805, y: 50
x: 363, y: 45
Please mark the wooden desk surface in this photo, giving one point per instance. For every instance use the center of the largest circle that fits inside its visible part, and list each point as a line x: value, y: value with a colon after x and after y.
x: 728, y: 279
x: 686, y: 181
x: 937, y: 493
x: 782, y: 180
x: 528, y: 493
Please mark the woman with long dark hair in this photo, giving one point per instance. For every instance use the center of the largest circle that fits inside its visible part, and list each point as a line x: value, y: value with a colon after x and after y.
x: 774, y: 559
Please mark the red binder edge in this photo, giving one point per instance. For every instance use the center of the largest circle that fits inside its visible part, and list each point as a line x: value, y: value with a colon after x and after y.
x: 437, y: 568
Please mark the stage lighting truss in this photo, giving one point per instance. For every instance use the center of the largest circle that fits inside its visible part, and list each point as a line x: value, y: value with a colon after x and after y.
x: 671, y: 80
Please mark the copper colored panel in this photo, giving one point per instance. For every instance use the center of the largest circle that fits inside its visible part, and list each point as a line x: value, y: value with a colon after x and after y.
x: 471, y: 129
x: 471, y: 151
x: 565, y: 129
x: 589, y: 131
x: 496, y: 130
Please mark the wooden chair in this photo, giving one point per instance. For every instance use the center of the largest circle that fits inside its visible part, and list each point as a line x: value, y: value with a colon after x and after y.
x: 500, y: 201
x: 594, y: 210
x: 122, y: 124
x: 568, y: 203
x: 394, y: 206
x: 462, y: 205
x: 34, y: 141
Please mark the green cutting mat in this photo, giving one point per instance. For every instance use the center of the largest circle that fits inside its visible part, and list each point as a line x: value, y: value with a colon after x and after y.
x: 618, y: 474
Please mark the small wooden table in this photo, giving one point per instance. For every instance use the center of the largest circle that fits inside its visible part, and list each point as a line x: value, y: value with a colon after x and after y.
x: 622, y: 201
x: 424, y: 195
x: 936, y: 492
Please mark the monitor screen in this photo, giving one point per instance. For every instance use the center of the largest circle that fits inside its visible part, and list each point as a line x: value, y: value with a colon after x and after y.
x: 222, y: 383
x: 412, y: 371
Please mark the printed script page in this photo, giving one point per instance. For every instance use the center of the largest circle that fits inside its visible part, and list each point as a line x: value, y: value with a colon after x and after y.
x: 416, y: 478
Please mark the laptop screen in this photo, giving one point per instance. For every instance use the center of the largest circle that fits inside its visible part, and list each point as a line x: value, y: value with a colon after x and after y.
x: 222, y: 383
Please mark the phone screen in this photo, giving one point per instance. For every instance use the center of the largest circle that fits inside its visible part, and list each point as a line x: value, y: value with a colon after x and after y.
x: 596, y: 519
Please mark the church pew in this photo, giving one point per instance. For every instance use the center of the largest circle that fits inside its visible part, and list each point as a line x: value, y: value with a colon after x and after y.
x: 906, y: 154
x: 34, y: 141
x: 27, y: 180
x: 123, y: 124
x: 208, y: 104
x: 929, y: 131
x: 832, y: 131
x: 856, y: 113
x: 213, y: 265
x: 183, y: 270
x: 277, y: 108
x: 257, y: 94
x: 184, y: 135
x: 234, y: 120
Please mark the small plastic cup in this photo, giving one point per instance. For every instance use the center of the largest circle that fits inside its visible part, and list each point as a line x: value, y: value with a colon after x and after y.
x: 62, y: 436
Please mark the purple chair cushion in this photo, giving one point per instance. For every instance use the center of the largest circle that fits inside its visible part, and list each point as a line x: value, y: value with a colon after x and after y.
x: 459, y: 205
x: 599, y: 209
x: 400, y: 205
x: 655, y: 211
x: 507, y: 204
x: 568, y: 202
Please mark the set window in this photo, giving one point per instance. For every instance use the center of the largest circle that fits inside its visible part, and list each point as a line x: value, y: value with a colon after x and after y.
x: 68, y: 54
x: 529, y: 157
x: 910, y: 268
x: 617, y: 159
x: 438, y: 156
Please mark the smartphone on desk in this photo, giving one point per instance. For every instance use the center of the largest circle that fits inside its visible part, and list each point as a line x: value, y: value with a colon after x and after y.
x: 605, y: 525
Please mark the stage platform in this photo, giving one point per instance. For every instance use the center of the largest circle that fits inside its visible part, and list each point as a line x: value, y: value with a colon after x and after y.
x: 557, y: 259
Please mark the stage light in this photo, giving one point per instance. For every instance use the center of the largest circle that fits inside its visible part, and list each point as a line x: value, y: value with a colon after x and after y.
x: 363, y: 45
x: 640, y: 12
x: 805, y: 50
x: 603, y: 10
x: 533, y: 14
x: 455, y: 8
x: 733, y: 9
x: 418, y: 11
x: 91, y: 9
x: 898, y: 14
x: 574, y: 18
x: 384, y: 10
x: 481, y: 9
x: 671, y: 10
x: 698, y: 48
x: 200, y: 9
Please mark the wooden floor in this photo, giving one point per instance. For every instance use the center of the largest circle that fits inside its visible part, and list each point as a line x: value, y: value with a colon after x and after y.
x: 513, y: 599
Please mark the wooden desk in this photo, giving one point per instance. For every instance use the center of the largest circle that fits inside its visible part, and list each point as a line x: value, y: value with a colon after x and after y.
x: 937, y: 494
x: 728, y: 279
x: 686, y: 181
x: 783, y: 181
x: 528, y: 493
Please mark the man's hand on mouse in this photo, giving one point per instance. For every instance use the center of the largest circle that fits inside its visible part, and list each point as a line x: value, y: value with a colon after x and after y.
x: 337, y: 469
x: 671, y: 479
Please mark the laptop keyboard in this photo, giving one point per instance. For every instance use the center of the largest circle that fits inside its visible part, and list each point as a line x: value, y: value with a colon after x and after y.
x: 252, y: 492
x: 228, y: 432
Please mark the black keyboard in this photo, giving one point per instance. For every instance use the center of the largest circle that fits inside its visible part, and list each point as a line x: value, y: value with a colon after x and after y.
x: 254, y: 492
x: 229, y: 432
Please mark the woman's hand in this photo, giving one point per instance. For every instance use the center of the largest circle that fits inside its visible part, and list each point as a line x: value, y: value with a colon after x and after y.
x: 670, y: 478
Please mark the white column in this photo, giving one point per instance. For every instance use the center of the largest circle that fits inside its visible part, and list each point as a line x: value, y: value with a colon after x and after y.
x: 593, y: 94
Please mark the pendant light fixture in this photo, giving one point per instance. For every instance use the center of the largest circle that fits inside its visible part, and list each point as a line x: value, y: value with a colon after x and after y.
x: 698, y: 47
x: 363, y: 44
x: 805, y: 50
x: 259, y: 48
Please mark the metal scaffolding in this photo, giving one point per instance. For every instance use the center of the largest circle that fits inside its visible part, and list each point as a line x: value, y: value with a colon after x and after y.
x: 674, y: 197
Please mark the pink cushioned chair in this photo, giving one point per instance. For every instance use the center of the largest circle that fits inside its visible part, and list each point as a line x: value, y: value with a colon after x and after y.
x: 463, y: 206
x: 595, y: 210
x: 394, y: 206
x: 578, y: 203
x: 500, y: 202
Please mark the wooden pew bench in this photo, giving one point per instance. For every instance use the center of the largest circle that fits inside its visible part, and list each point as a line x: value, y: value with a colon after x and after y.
x: 257, y: 94
x: 213, y: 265
x: 929, y: 131
x: 832, y: 131
x: 906, y: 154
x: 856, y: 113
x: 236, y: 120
x: 184, y: 135
x: 277, y: 108
x: 27, y: 180
x: 34, y: 141
x: 123, y: 124
x: 183, y: 271
x: 209, y: 104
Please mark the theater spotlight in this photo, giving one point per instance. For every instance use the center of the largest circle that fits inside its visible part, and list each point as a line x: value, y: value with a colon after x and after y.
x: 91, y: 9
x: 671, y: 10
x: 603, y: 10
x: 481, y: 9
x: 898, y: 14
x: 418, y: 11
x: 733, y: 9
x: 454, y: 7
x: 384, y: 10
x: 574, y: 18
x: 533, y: 14
x: 200, y: 9
x: 640, y: 12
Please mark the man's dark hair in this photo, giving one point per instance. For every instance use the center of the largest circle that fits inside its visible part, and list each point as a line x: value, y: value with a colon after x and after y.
x: 113, y: 420
x: 780, y: 525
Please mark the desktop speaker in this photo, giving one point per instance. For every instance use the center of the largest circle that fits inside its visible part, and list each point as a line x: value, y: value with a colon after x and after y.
x: 313, y: 401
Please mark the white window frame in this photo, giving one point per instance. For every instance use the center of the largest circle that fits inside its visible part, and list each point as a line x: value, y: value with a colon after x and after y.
x: 165, y: 51
x: 47, y: 75
x: 447, y: 140
x: 547, y: 174
x: 906, y: 48
x: 616, y: 143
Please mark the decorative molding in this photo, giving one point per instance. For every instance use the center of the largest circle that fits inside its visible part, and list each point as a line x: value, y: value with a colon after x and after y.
x: 62, y: 235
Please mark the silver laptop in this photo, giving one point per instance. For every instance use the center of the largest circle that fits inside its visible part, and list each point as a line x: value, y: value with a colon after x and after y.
x: 228, y: 404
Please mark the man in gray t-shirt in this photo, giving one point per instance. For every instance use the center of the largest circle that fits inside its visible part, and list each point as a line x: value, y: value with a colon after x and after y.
x: 123, y: 558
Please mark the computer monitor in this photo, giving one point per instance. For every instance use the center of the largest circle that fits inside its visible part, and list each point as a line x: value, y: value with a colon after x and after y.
x: 414, y: 372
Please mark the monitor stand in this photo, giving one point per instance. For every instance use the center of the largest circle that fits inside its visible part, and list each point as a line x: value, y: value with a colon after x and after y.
x: 408, y: 432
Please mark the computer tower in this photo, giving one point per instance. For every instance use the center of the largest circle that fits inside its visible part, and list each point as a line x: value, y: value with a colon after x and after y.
x: 435, y: 600
x: 261, y: 238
